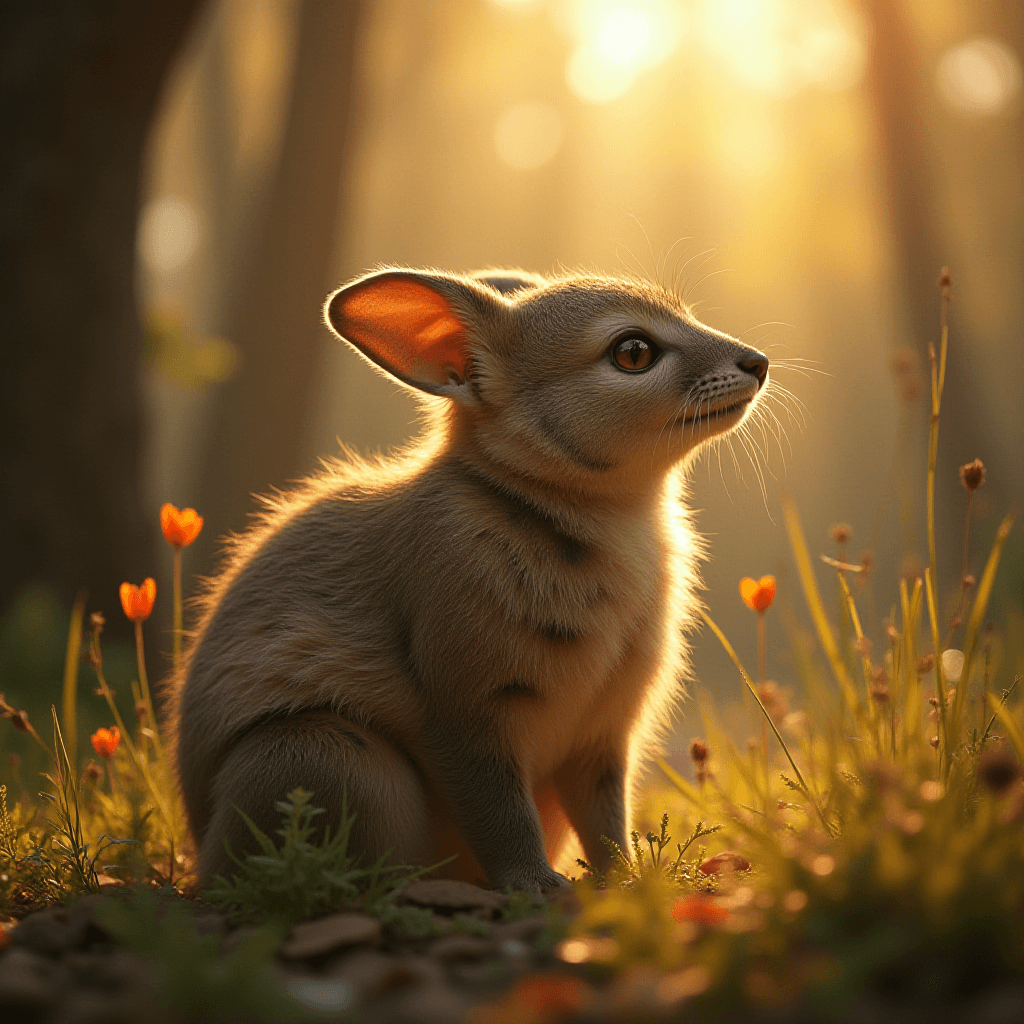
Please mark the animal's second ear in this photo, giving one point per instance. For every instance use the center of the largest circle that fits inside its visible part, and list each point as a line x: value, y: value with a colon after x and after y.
x: 410, y: 324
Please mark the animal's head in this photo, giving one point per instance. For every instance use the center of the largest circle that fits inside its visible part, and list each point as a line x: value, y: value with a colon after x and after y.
x: 583, y: 378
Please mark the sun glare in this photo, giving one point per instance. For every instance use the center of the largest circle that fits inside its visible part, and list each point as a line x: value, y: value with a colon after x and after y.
x: 980, y: 76
x: 169, y: 230
x: 615, y: 43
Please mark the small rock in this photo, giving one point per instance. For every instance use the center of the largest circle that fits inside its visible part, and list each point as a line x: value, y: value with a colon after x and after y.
x: 326, y: 995
x: 453, y: 948
x: 371, y: 973
x: 447, y: 895
x: 433, y: 1004
x: 210, y: 924
x: 82, y: 1006
x: 526, y: 929
x: 52, y: 932
x: 314, y: 938
x: 27, y: 984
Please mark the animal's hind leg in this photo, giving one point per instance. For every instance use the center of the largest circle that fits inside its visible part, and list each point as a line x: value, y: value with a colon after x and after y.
x: 327, y: 754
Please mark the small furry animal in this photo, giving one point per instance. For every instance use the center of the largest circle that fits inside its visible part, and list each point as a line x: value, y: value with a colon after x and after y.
x: 479, y: 638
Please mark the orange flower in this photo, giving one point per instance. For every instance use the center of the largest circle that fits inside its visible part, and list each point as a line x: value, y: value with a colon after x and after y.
x: 105, y: 741
x: 181, y: 526
x: 137, y: 602
x: 551, y: 994
x: 699, y: 910
x: 758, y: 594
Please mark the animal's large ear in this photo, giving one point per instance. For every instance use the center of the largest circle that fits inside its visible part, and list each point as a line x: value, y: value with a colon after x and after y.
x: 415, y: 325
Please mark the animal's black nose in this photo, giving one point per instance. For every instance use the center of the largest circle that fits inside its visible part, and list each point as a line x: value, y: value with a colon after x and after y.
x: 755, y: 364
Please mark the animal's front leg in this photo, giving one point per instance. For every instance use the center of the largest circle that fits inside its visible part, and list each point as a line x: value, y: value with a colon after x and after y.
x: 593, y: 794
x: 490, y: 798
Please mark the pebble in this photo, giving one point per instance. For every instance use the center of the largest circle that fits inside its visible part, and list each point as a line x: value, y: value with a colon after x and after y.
x: 29, y: 983
x: 434, y: 1004
x: 526, y: 929
x: 446, y: 895
x: 372, y: 973
x: 315, y: 938
x: 453, y: 948
x: 52, y: 932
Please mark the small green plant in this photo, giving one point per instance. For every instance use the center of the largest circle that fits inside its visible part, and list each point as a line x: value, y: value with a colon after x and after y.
x: 77, y: 865
x: 625, y: 872
x: 301, y: 878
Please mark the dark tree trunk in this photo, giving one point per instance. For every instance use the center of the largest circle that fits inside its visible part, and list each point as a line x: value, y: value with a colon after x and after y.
x: 257, y: 428
x: 78, y: 86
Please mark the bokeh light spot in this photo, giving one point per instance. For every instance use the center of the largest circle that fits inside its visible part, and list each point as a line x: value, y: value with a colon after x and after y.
x: 979, y: 76
x: 528, y: 135
x: 615, y: 42
x: 169, y: 230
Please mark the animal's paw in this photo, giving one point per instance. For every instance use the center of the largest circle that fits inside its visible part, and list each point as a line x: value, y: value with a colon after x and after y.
x: 537, y: 881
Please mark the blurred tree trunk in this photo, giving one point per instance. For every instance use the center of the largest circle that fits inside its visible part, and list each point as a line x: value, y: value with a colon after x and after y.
x: 79, y: 83
x: 896, y: 85
x: 274, y: 317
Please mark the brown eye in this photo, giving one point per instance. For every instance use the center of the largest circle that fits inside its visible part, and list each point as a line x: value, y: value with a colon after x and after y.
x: 633, y: 353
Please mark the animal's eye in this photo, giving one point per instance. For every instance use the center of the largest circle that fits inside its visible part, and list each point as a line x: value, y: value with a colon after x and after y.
x: 634, y: 353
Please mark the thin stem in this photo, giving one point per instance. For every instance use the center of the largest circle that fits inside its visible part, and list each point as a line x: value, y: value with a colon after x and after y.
x: 140, y: 653
x: 176, y: 638
x: 778, y: 735
x: 762, y: 645
x: 967, y: 532
x: 938, y: 380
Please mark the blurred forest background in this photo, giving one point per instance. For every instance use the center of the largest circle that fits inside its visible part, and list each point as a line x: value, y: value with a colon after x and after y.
x: 183, y: 182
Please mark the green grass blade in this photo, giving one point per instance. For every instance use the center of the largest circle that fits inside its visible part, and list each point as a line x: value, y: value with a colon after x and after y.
x: 1006, y: 720
x: 69, y: 701
x: 817, y: 609
x: 974, y: 623
x: 778, y: 735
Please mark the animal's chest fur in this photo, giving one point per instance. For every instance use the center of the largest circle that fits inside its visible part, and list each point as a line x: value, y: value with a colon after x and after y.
x: 564, y: 633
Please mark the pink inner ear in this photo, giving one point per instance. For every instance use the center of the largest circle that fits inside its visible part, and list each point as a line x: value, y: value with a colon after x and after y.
x: 405, y: 326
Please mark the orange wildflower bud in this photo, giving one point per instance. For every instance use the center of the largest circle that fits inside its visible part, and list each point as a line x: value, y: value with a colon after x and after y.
x: 105, y: 741
x: 730, y: 860
x: 137, y: 602
x: 758, y: 594
x: 699, y: 910
x: 181, y: 526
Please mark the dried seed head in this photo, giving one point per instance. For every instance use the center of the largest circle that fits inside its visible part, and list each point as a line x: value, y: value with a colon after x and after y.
x: 934, y: 741
x: 867, y: 565
x: 945, y: 282
x: 97, y: 622
x: 968, y: 582
x: 879, y: 675
x: 774, y: 700
x: 905, y: 370
x: 841, y: 533
x: 892, y: 632
x: 911, y: 567
x: 998, y: 769
x: 92, y: 773
x: 880, y: 692
x: 699, y: 751
x: 925, y: 664
x: 862, y: 646
x: 972, y: 475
